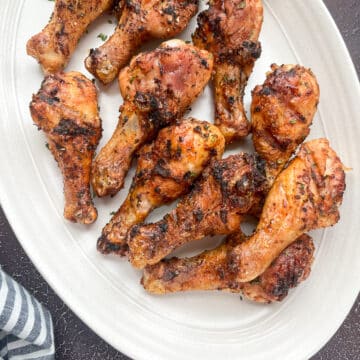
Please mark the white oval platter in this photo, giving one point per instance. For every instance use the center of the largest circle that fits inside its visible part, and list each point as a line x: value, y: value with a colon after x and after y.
x: 105, y: 291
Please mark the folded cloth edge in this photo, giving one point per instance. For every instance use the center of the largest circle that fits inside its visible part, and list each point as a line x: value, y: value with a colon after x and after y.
x: 26, y: 328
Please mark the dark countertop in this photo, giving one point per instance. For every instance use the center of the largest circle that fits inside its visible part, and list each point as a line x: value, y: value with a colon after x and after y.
x: 74, y: 340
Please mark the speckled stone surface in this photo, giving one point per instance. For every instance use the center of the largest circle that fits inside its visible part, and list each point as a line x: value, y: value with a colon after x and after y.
x: 74, y: 340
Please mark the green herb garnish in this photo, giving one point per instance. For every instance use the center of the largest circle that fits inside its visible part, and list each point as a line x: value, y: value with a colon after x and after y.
x: 242, y: 5
x: 102, y: 36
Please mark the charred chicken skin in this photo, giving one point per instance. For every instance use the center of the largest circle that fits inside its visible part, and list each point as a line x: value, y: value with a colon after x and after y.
x: 65, y: 108
x: 282, y: 111
x: 304, y: 197
x: 140, y: 21
x: 54, y: 46
x: 287, y: 271
x: 213, y: 270
x: 290, y: 92
x: 166, y: 169
x: 264, y: 171
x: 157, y: 88
x: 214, y: 206
x: 230, y: 29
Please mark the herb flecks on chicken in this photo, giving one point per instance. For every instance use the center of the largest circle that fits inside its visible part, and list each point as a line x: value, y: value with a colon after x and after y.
x: 282, y: 111
x: 215, y: 206
x: 140, y: 21
x: 305, y: 196
x: 230, y: 29
x: 272, y: 115
x: 214, y: 270
x: 287, y: 271
x: 289, y: 91
x: 66, y: 109
x: 166, y: 169
x: 54, y: 46
x: 157, y: 87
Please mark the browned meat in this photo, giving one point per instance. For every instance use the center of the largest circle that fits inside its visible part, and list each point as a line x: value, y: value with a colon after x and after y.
x: 230, y: 29
x: 166, y: 169
x: 282, y: 111
x: 304, y: 197
x: 140, y: 21
x: 287, y: 271
x: 212, y: 270
x: 54, y: 46
x: 157, y: 88
x: 214, y: 206
x: 66, y: 109
x: 285, y: 76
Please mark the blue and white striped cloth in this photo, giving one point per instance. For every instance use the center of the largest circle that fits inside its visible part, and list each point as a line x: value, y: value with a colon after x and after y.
x: 26, y: 329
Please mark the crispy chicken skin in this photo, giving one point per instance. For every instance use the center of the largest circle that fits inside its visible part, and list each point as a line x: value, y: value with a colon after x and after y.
x: 230, y: 29
x: 65, y: 108
x: 166, y: 169
x: 54, y: 46
x: 287, y: 271
x: 157, y: 88
x: 140, y: 21
x: 213, y: 270
x: 289, y: 92
x: 271, y: 118
x: 304, y: 197
x: 214, y: 206
x: 282, y: 111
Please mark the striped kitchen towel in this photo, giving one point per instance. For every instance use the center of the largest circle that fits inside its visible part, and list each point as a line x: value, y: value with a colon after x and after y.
x: 26, y: 329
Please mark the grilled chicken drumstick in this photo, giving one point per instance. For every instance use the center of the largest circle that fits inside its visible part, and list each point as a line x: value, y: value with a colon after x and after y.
x: 54, y: 46
x: 287, y: 271
x: 242, y: 177
x: 230, y: 29
x: 66, y: 109
x: 213, y: 270
x: 166, y: 169
x: 140, y: 21
x: 282, y: 111
x: 157, y: 88
x: 216, y: 204
x: 304, y: 197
